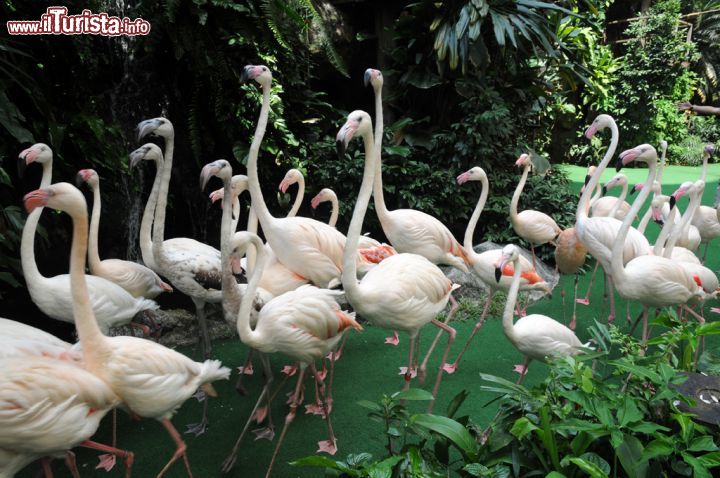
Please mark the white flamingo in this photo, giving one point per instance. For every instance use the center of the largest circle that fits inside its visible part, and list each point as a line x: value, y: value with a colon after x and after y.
x: 149, y: 152
x: 403, y: 292
x: 409, y: 230
x: 294, y: 176
x: 137, y: 279
x: 238, y: 185
x: 536, y: 336
x: 150, y: 380
x: 705, y: 218
x: 326, y: 195
x: 113, y: 306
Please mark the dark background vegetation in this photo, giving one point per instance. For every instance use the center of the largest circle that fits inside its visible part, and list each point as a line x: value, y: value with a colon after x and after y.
x: 467, y: 82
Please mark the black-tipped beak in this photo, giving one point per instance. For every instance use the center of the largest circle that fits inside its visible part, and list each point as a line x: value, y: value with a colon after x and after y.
x: 618, y: 164
x: 587, y: 179
x: 145, y: 128
x: 672, y: 202
x: 79, y: 180
x: 22, y: 165
x: 633, y: 191
x: 245, y: 75
x: 498, y: 274
x: 604, y: 190
x: 340, y: 147
x: 659, y: 222
x: 205, y: 175
x: 367, y: 77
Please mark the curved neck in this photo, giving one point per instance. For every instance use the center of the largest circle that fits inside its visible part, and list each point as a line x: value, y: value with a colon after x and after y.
x: 159, y: 225
x: 662, y: 165
x: 349, y: 276
x: 644, y: 221
x: 335, y: 211
x: 258, y: 202
x: 507, y: 318
x: 619, y: 200
x: 252, y: 226
x: 46, y: 174
x: 703, y: 174
x: 88, y: 331
x: 247, y: 335
x: 470, y: 230
x: 664, y: 233
x: 149, y: 216
x: 227, y: 228
x: 27, y: 242
x: 299, y: 198
x: 235, y: 214
x: 93, y: 254
x: 684, y: 225
x: 380, y: 208
x: 582, y: 209
x: 517, y: 193
x: 618, y: 271
x: 596, y: 196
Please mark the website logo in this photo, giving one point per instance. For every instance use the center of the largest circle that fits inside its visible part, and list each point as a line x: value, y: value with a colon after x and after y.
x: 56, y: 21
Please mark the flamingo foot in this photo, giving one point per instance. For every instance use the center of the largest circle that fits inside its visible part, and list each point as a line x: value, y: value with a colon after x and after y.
x: 289, y: 370
x: 197, y: 429
x: 409, y: 374
x: 521, y: 312
x: 327, y: 446
x: 246, y: 370
x: 200, y: 395
x: 265, y: 433
x: 583, y: 301
x: 260, y: 414
x: 322, y: 374
x: 394, y: 339
x: 334, y: 356
x: 611, y: 319
x: 107, y: 462
x: 315, y: 409
x: 520, y: 368
x: 715, y: 310
x: 449, y: 368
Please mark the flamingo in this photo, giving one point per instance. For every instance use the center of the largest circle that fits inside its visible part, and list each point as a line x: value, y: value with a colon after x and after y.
x: 149, y: 152
x: 294, y: 176
x: 651, y: 280
x: 598, y: 233
x: 191, y: 266
x: 534, y: 226
x: 570, y: 256
x: 535, y: 336
x: 238, y: 185
x: 668, y: 225
x: 137, y: 279
x: 484, y: 264
x: 615, y: 207
x: 325, y: 195
x: 705, y: 218
x: 48, y: 407
x: 113, y: 306
x: 409, y: 230
x: 149, y: 379
x: 309, y: 248
x: 305, y: 324
x: 403, y: 292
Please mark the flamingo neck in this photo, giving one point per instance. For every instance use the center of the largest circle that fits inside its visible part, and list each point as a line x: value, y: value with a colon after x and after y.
x: 380, y: 207
x: 684, y: 225
x: 258, y: 202
x: 507, y: 318
x: 349, y: 275
x: 472, y: 224
x: 229, y: 285
x: 93, y: 254
x: 664, y: 233
x: 235, y: 214
x: 252, y: 226
x: 247, y: 334
x: 46, y: 179
x: 299, y: 198
x: 582, y: 209
x: 148, y: 217
x: 158, y: 229
x: 703, y: 173
x: 27, y: 242
x: 618, y: 270
x: 335, y: 211
x: 644, y: 221
x: 516, y: 195
x: 619, y: 201
x: 92, y: 339
x: 662, y: 166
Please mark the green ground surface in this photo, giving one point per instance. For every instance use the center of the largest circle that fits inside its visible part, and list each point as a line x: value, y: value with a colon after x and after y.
x: 368, y: 369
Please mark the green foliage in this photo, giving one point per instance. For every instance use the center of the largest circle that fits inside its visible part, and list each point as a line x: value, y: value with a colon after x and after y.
x: 706, y: 35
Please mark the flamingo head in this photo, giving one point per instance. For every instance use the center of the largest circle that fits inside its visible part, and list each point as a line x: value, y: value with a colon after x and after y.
x: 644, y: 152
x: 220, y: 169
x: 616, y: 181
x: 523, y: 160
x: 89, y: 176
x: 680, y: 192
x: 161, y: 127
x: 291, y: 177
x: 239, y: 243
x: 373, y: 77
x: 37, y: 153
x: 663, y: 146
x: 510, y: 253
x: 474, y: 174
x: 62, y: 196
x: 358, y: 122
x: 598, y: 124
x: 324, y: 195
x: 709, y: 150
x: 259, y: 73
x: 590, y: 172
x: 656, y: 209
x: 149, y: 152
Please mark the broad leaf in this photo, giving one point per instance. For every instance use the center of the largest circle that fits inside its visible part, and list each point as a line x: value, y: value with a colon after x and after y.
x: 413, y: 394
x: 450, y: 429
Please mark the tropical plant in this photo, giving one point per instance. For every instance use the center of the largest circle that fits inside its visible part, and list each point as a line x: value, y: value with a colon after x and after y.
x: 705, y: 18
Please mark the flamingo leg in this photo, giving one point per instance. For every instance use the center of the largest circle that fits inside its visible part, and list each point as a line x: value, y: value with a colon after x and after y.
x: 408, y: 373
x: 47, y: 470
x: 205, y: 343
x: 128, y: 457
x: 71, y: 464
x: 330, y: 445
x: 525, y: 365
x: 268, y: 431
x: 707, y: 245
x: 288, y: 419
x: 562, y: 295
x: 611, y: 291
x: 450, y: 368
x: 335, y: 355
x: 532, y: 249
x: 423, y: 366
x: 451, y: 339
x: 232, y: 457
x: 573, y: 321
x: 586, y: 300
x: 180, y: 451
x: 246, y: 367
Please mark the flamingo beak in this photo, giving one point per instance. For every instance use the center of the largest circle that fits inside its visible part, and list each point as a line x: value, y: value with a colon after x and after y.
x: 315, y: 202
x: 343, y: 137
x: 36, y: 199
x: 673, y: 200
x: 248, y: 73
x: 147, y: 127
x: 80, y: 178
x: 463, y: 178
x: 236, y: 265
x: 284, y: 185
x: 604, y: 190
x: 368, y: 76
x: 592, y: 129
x: 207, y: 172
x: 24, y: 158
x: 499, y: 268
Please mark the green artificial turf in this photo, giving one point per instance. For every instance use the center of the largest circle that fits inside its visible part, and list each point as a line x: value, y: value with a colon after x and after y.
x: 367, y: 369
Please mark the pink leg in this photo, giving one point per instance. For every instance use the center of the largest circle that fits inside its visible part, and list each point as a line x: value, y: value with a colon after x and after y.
x: 45, y: 462
x: 330, y: 445
x: 128, y: 457
x: 246, y: 369
x: 523, y: 369
x: 333, y: 356
x: 573, y: 321
x: 450, y: 368
x: 393, y: 339
x: 451, y: 339
x: 611, y: 291
x: 532, y: 249
x: 180, y: 451
x: 409, y: 371
x: 71, y: 463
x: 423, y: 366
x: 288, y: 419
x: 586, y: 300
